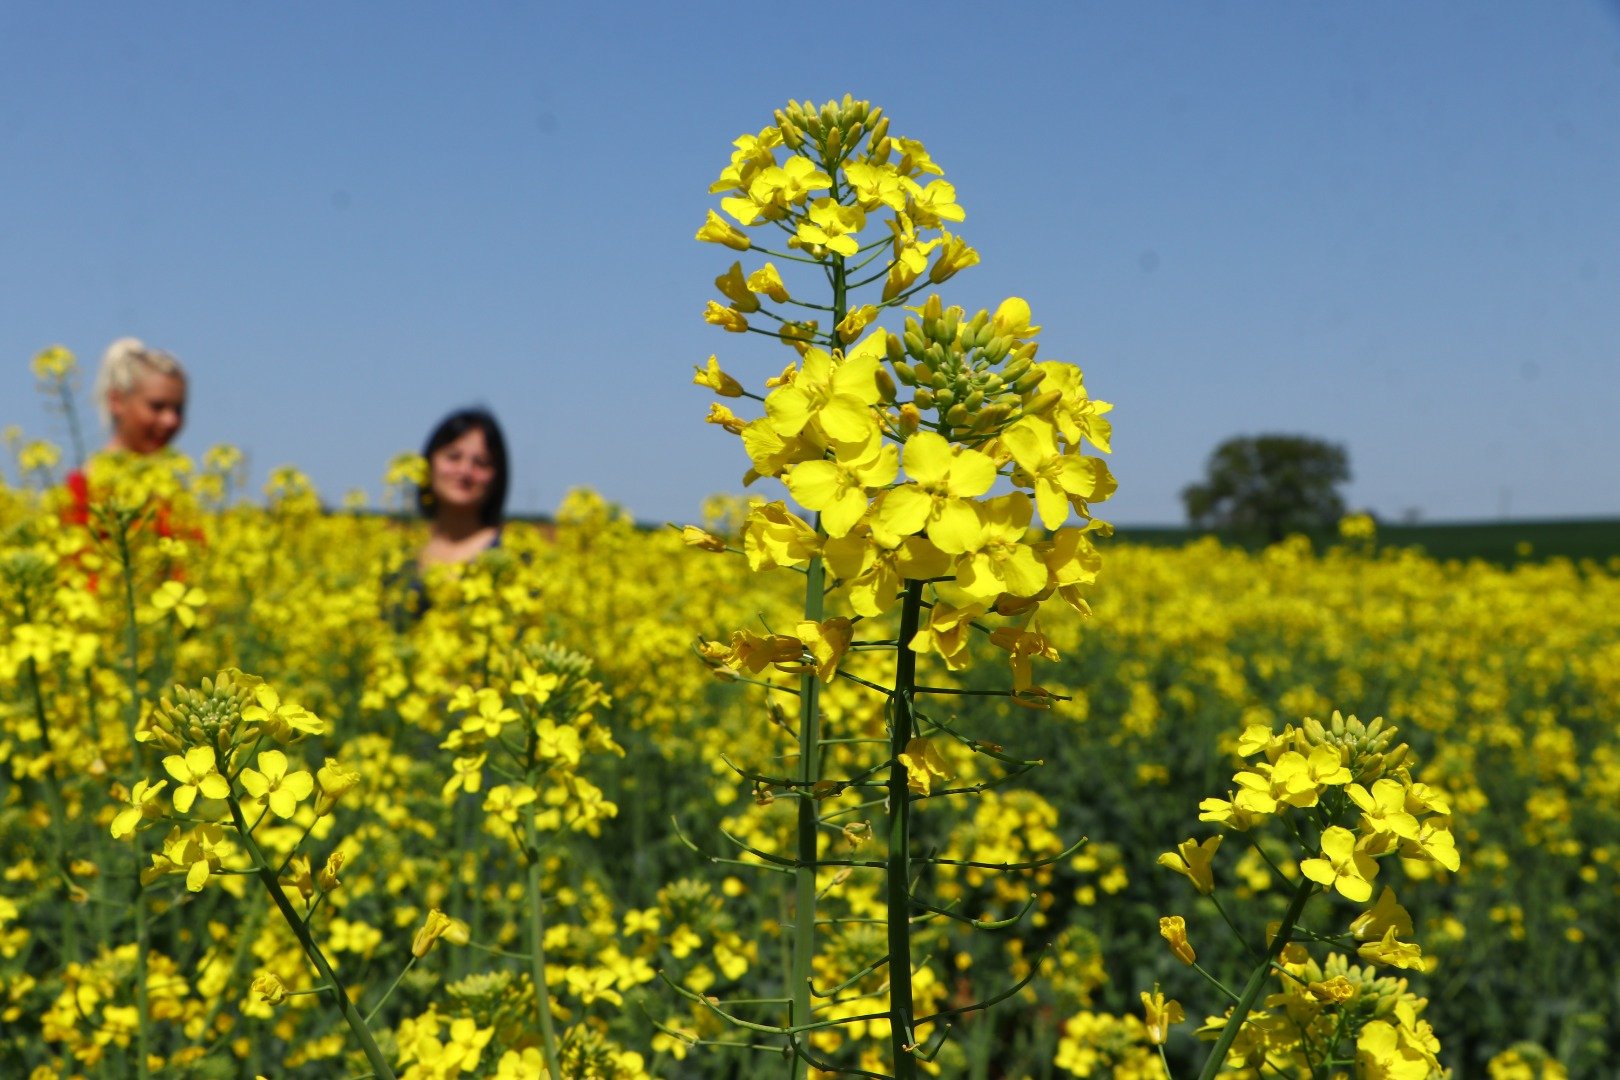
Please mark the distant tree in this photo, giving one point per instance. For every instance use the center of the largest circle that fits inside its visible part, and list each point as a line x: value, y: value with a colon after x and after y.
x: 1263, y: 487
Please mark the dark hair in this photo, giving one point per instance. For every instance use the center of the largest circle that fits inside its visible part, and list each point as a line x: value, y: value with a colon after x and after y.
x: 449, y: 430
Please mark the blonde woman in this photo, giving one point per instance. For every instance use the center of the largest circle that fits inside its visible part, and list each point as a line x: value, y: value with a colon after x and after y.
x: 140, y: 393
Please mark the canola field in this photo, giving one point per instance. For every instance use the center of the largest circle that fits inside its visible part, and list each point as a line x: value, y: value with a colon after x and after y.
x: 543, y: 815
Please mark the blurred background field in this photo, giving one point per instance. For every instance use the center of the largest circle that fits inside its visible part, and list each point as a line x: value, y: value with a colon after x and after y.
x: 1504, y: 677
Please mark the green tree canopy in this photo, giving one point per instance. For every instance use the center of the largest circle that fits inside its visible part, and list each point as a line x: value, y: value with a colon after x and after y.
x: 1263, y: 487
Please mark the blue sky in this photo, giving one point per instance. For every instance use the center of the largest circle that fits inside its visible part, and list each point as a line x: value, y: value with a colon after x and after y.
x: 1391, y: 225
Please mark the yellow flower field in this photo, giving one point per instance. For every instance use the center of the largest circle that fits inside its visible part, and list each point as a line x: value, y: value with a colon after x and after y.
x: 388, y: 779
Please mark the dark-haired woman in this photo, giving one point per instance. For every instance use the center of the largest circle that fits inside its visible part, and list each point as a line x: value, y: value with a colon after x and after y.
x: 464, y: 501
x: 465, y: 495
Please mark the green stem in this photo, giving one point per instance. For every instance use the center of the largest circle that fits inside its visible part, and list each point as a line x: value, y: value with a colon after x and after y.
x: 537, y: 949
x: 351, y: 1015
x: 1257, y: 980
x: 901, y: 1011
x: 806, y: 827
x: 132, y: 715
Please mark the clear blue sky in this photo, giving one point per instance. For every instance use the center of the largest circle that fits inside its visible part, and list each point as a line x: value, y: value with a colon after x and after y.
x: 1392, y: 225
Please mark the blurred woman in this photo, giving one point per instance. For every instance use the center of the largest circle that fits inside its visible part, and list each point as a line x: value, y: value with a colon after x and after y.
x: 140, y: 393
x: 464, y: 498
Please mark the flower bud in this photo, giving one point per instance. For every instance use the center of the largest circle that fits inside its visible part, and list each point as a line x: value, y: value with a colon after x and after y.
x: 885, y: 385
x: 924, y: 398
x: 1029, y: 380
x: 945, y: 398
x: 835, y: 144
x: 991, y: 417
x: 328, y: 877
x: 958, y: 415
x: 996, y: 348
x: 879, y: 125
x: 881, y: 149
x: 1015, y: 370
x: 1043, y: 403
x: 904, y: 372
x: 910, y: 419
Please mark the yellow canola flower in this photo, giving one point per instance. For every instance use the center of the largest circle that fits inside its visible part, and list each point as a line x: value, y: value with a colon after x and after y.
x: 838, y: 488
x: 196, y: 774
x: 923, y: 765
x: 1160, y: 1015
x: 833, y: 226
x: 269, y: 988
x: 1383, y: 916
x: 1389, y: 950
x: 716, y: 380
x: 933, y: 205
x: 271, y: 781
x: 1173, y: 928
x: 1342, y: 866
x: 768, y: 282
x: 947, y: 632
x: 775, y: 536
x: 879, y: 185
x: 752, y: 153
x: 954, y: 257
x: 716, y: 230
x: 937, y: 499
x: 177, y: 599
x: 726, y: 318
x: 1059, y: 479
x: 1195, y: 861
x: 873, y: 568
x: 832, y: 396
x: 827, y: 641
x: 776, y: 189
x: 997, y: 560
x: 1383, y: 811
x: 1012, y: 319
x: 143, y: 805
x: 52, y: 364
x: 734, y: 287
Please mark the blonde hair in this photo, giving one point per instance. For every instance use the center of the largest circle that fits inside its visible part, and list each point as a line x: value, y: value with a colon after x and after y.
x: 123, y: 365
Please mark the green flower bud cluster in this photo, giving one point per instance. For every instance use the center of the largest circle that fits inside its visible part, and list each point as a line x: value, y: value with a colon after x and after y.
x: 968, y: 371
x: 210, y: 716
x: 495, y: 999
x: 836, y: 128
x: 27, y: 571
x: 1377, y: 994
x: 1365, y: 749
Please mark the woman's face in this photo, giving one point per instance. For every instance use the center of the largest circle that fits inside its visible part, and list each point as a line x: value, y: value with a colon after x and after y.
x: 147, y: 416
x: 462, y: 472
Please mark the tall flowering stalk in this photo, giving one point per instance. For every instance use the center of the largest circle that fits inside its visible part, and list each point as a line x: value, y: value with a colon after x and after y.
x: 1344, y: 795
x: 942, y: 490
